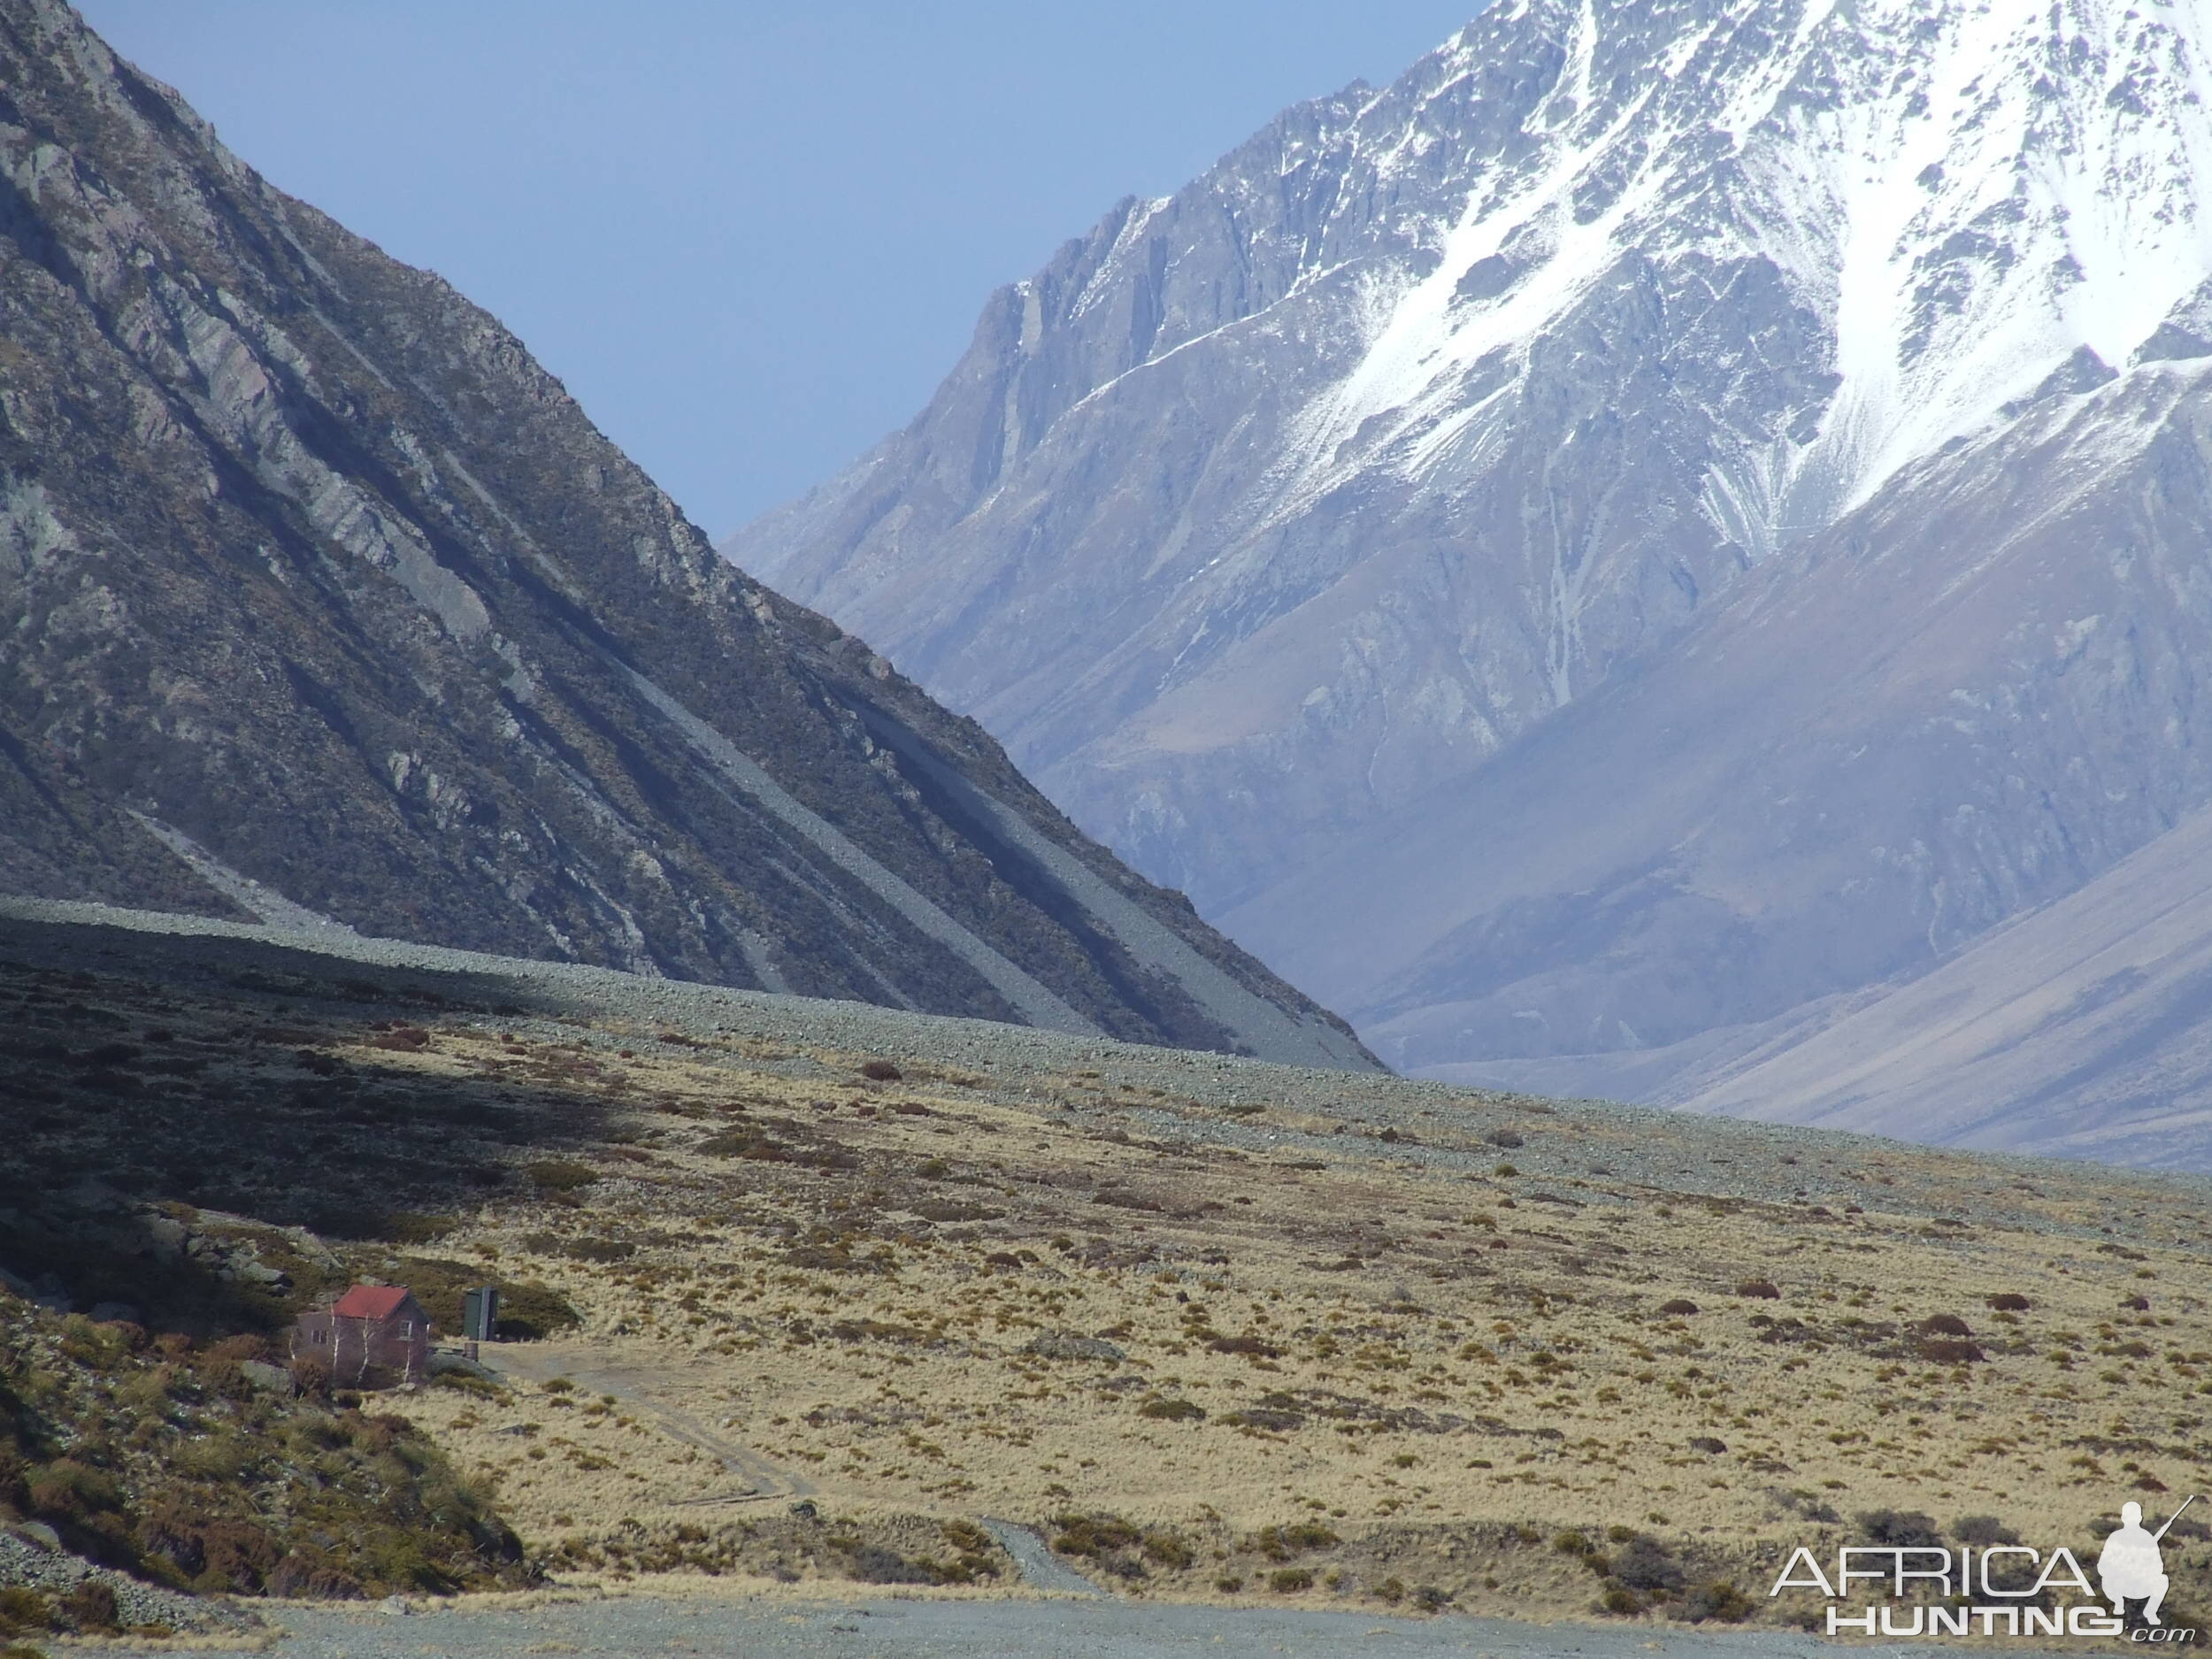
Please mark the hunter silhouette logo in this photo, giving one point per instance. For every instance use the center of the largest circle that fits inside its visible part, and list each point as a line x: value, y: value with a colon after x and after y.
x: 2131, y: 1564
x: 1995, y: 1589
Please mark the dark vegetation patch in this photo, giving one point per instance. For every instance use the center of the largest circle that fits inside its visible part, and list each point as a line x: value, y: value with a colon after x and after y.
x: 803, y: 1544
x: 197, y: 1171
x: 159, y: 1456
x: 1119, y: 1547
x: 1287, y: 1410
x: 947, y: 1210
x: 1637, y: 1573
x: 528, y: 1309
x: 780, y: 1140
x: 303, y: 1133
x: 1944, y: 1350
x: 1163, y: 1409
x: 1898, y: 1528
x: 1122, y: 1198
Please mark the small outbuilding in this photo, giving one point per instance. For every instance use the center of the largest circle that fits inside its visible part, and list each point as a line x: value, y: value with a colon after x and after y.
x: 374, y: 1336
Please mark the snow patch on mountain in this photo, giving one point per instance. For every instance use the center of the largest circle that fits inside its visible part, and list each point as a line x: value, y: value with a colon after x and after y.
x: 1959, y: 225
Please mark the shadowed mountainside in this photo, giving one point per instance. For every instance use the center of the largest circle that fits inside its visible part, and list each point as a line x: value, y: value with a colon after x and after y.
x: 328, y: 605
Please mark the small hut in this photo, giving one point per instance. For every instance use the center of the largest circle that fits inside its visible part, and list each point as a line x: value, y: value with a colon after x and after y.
x: 374, y: 1336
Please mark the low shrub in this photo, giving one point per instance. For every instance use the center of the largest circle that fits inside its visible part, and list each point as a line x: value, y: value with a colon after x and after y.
x: 1166, y: 1549
x: 880, y: 1071
x: 1947, y: 1351
x: 1678, y: 1306
x: 560, y: 1175
x: 1280, y: 1543
x: 1165, y: 1410
x: 2008, y: 1301
x: 23, y: 1608
x: 1898, y: 1528
x: 1645, y: 1563
x: 411, y: 1227
x: 872, y: 1563
x: 99, y: 1347
x: 1718, y: 1599
x: 528, y: 1308
x: 1092, y: 1535
x: 1759, y: 1289
x: 90, y: 1607
x: 1289, y: 1580
x: 600, y: 1250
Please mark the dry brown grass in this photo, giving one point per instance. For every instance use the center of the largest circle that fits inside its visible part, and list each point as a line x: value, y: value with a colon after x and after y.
x: 1443, y: 1369
x: 1195, y: 1323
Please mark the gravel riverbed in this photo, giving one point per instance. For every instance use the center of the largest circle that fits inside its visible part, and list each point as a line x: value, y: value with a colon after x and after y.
x: 633, y: 1627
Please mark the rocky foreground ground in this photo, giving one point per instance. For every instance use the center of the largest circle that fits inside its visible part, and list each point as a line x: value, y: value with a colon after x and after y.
x: 769, y: 1627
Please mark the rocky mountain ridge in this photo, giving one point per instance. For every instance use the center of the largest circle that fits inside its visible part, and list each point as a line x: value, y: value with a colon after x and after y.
x: 327, y: 605
x: 1661, y: 517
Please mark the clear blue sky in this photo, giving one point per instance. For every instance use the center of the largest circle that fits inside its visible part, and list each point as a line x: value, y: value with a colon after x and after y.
x: 751, y: 238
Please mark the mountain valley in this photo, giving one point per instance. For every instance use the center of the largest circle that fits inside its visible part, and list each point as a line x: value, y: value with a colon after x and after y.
x: 328, y: 606
x: 1659, y: 524
x: 803, y: 1294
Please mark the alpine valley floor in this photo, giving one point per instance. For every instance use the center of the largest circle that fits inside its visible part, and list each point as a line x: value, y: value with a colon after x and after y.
x: 847, y: 1284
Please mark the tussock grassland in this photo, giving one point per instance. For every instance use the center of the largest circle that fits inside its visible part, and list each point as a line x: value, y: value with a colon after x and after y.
x: 1259, y: 1335
x: 1215, y: 1368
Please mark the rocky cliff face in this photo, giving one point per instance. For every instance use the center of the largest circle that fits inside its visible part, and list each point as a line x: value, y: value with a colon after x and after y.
x: 1661, y: 516
x: 320, y: 600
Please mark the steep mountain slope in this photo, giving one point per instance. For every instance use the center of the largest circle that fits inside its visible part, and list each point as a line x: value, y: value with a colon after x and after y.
x: 2077, y: 1031
x: 1806, y: 394
x: 1873, y: 754
x: 324, y: 602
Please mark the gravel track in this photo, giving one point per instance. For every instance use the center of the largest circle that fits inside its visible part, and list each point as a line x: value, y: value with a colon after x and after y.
x: 1040, y: 1568
x: 762, y: 1479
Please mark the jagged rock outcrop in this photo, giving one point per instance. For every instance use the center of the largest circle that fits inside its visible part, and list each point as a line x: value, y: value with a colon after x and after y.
x: 320, y: 600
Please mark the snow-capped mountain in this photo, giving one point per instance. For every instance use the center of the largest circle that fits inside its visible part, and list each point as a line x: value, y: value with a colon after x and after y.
x: 1718, y: 383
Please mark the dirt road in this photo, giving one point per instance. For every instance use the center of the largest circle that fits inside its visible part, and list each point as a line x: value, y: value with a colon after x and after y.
x: 757, y: 1480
